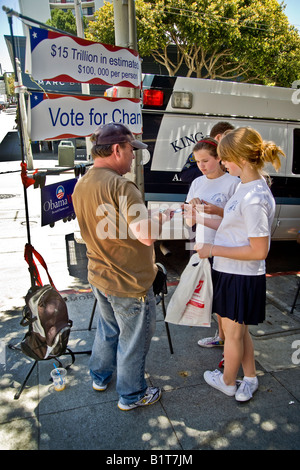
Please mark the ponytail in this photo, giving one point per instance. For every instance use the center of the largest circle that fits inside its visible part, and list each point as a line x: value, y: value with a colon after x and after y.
x: 271, y: 154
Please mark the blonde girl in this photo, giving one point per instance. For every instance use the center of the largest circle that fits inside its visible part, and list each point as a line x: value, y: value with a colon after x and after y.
x: 240, y: 248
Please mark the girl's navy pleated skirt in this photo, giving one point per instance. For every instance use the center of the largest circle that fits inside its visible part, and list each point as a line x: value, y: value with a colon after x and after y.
x: 239, y: 298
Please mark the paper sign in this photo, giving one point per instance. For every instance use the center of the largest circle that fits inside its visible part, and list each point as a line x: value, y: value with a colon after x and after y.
x: 56, y: 201
x: 59, y: 57
x: 54, y: 116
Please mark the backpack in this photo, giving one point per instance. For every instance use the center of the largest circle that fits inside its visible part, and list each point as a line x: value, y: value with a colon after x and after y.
x: 46, y: 315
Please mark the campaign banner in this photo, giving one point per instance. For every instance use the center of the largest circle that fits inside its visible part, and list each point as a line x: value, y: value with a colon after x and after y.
x: 59, y: 57
x: 54, y: 116
x: 56, y: 201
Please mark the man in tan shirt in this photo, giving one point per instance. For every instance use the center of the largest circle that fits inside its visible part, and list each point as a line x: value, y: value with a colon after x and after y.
x: 119, y: 235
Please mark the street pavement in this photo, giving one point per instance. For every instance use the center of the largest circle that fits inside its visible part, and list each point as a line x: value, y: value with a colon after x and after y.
x: 190, y: 416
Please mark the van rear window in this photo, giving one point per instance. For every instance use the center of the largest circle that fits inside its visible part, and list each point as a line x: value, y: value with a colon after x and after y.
x: 296, y: 152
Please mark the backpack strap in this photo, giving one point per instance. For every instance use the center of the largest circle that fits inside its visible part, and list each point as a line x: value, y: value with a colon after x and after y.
x: 29, y: 252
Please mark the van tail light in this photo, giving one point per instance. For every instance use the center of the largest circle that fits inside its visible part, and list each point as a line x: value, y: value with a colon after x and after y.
x: 153, y: 97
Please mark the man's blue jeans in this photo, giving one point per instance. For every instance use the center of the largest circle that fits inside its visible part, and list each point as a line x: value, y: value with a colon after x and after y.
x: 124, y: 331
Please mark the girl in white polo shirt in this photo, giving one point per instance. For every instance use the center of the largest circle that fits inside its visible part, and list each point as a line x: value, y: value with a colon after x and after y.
x: 240, y: 248
x: 213, y: 189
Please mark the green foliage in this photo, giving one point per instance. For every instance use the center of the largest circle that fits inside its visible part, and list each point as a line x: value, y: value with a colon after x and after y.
x: 9, y: 79
x: 65, y: 21
x: 102, y: 29
x: 245, y: 40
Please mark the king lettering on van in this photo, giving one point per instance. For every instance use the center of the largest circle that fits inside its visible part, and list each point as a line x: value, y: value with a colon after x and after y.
x: 179, y: 111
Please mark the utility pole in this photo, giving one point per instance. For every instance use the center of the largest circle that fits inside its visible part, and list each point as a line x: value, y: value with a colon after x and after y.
x: 125, y: 36
x: 85, y: 87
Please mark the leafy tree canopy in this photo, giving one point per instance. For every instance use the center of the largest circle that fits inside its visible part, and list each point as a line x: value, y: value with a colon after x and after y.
x: 65, y: 21
x: 247, y: 40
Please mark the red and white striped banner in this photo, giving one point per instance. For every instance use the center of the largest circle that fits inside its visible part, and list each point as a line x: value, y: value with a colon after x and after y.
x: 59, y: 57
x: 53, y: 116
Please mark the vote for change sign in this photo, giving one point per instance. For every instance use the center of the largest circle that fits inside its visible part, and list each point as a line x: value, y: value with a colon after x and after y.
x: 59, y: 57
x: 54, y: 116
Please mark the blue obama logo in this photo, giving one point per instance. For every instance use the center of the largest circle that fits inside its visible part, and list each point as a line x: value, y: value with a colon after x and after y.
x: 60, y: 192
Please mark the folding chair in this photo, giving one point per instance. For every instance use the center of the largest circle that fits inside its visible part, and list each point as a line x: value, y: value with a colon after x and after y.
x: 160, y: 297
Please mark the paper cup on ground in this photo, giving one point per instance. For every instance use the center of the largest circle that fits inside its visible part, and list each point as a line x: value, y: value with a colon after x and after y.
x: 59, y: 378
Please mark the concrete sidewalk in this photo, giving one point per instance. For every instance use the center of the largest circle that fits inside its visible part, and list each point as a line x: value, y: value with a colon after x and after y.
x: 190, y: 415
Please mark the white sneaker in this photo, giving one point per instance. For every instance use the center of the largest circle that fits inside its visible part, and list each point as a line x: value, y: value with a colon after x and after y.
x: 215, y: 379
x: 99, y: 388
x: 211, y: 341
x: 151, y: 396
x: 246, y: 390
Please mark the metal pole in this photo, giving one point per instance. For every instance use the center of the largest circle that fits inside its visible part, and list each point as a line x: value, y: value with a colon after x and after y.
x: 21, y: 140
x: 121, y: 23
x: 139, y: 168
x: 23, y: 116
x: 16, y: 78
x: 85, y: 87
x: 125, y: 36
x: 132, y: 25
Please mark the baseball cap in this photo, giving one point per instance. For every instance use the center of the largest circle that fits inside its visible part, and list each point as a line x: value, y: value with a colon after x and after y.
x: 116, y: 133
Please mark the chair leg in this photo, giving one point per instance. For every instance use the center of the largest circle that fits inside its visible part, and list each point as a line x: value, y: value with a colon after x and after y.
x: 92, y: 316
x: 17, y: 395
x: 296, y: 297
x: 167, y: 326
x: 53, y: 358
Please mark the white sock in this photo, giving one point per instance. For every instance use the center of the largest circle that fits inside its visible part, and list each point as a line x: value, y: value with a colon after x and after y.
x: 252, y: 380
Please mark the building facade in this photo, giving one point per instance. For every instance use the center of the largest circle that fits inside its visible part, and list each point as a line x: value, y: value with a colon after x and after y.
x: 43, y: 12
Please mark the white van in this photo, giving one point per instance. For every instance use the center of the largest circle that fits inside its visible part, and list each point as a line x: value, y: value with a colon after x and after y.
x: 178, y: 111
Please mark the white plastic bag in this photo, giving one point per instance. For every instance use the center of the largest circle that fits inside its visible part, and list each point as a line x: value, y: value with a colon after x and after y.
x: 191, y: 303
